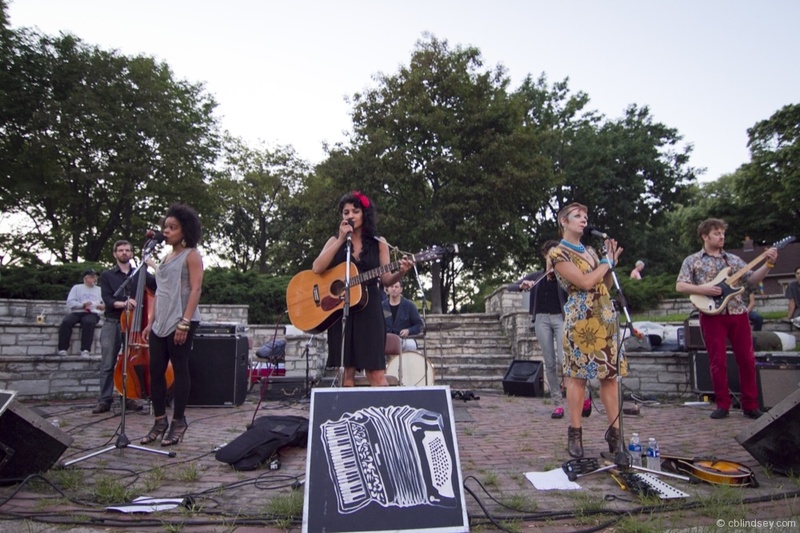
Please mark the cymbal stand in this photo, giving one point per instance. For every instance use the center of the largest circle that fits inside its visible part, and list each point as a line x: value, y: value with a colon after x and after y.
x: 122, y: 441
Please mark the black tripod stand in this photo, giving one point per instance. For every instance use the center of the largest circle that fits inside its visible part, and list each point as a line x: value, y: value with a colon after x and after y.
x: 122, y: 441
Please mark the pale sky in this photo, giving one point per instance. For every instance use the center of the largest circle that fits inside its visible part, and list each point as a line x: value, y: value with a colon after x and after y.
x: 280, y: 70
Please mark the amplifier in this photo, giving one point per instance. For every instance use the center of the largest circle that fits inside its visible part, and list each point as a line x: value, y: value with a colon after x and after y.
x: 205, y: 329
x: 218, y: 370
x: 693, y: 336
x: 776, y: 381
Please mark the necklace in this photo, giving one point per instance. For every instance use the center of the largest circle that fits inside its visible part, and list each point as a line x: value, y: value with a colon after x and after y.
x: 580, y: 248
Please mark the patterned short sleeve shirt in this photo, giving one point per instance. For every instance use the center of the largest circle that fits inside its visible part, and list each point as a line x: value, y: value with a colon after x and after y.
x: 701, y: 268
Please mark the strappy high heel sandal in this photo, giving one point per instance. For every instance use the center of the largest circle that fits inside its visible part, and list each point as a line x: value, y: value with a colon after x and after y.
x: 159, y: 427
x: 176, y: 431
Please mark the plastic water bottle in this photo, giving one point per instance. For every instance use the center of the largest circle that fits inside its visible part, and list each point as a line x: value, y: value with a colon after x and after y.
x: 635, y: 450
x: 653, y: 455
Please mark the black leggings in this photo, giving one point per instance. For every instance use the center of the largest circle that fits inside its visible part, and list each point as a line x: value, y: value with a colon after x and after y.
x: 162, y: 351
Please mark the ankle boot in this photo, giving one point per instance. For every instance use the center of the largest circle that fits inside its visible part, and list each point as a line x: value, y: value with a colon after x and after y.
x: 575, y: 442
x: 612, y: 438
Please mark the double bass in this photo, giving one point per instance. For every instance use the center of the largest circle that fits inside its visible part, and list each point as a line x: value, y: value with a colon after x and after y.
x: 132, y: 371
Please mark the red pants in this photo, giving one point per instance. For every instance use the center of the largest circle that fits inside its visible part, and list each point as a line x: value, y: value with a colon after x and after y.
x: 716, y: 328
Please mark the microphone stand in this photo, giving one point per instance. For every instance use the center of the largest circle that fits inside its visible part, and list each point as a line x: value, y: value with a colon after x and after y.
x: 122, y: 441
x: 424, y: 327
x: 346, y: 308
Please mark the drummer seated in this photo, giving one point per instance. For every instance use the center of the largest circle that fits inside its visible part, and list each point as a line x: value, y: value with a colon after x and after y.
x: 401, y: 316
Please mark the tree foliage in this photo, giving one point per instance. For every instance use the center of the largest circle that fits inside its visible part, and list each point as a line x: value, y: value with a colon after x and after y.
x: 440, y: 145
x: 95, y: 145
x: 255, y: 228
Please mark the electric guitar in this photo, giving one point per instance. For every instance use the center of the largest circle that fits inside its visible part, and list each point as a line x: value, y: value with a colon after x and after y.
x: 714, y: 305
x: 316, y: 301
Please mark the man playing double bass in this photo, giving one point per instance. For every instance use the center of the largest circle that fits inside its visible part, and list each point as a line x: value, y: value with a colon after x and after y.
x: 111, y: 333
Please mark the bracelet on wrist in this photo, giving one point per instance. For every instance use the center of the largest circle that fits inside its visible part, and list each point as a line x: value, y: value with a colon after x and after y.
x: 185, y: 321
x: 770, y: 265
x: 182, y: 327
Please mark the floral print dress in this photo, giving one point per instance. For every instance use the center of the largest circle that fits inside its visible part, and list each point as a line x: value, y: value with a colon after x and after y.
x: 590, y: 324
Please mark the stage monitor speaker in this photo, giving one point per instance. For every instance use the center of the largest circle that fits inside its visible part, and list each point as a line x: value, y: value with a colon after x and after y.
x: 218, y: 370
x: 29, y: 444
x: 773, y: 439
x: 776, y: 381
x: 524, y: 378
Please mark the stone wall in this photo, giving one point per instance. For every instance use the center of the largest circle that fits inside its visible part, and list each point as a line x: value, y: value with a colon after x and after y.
x: 29, y: 338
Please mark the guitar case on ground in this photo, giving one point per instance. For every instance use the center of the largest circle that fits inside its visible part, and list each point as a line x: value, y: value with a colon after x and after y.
x: 262, y: 440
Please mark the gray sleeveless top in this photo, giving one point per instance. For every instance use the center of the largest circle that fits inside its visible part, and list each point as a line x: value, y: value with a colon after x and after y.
x: 172, y: 294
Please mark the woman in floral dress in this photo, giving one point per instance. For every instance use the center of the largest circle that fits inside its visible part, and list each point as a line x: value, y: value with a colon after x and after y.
x: 590, y: 327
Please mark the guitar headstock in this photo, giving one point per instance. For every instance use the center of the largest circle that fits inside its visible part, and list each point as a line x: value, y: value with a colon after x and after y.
x: 435, y: 253
x: 783, y: 242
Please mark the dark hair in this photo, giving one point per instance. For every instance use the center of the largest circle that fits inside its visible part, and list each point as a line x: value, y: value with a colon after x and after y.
x: 547, y: 246
x: 369, y: 227
x: 189, y: 221
x: 120, y: 243
x: 709, y: 225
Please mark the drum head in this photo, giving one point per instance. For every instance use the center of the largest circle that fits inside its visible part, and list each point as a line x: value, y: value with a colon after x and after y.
x: 411, y: 370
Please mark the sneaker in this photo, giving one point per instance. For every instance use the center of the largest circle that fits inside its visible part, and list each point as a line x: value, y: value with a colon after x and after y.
x: 85, y: 353
x: 62, y: 353
x: 133, y: 405
x: 719, y: 413
x: 558, y: 412
x: 101, y: 408
x: 753, y: 413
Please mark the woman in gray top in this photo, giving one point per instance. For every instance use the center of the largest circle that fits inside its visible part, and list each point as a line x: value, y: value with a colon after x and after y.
x: 173, y: 320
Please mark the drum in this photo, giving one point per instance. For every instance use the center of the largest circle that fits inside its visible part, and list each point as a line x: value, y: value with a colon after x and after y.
x: 414, y: 369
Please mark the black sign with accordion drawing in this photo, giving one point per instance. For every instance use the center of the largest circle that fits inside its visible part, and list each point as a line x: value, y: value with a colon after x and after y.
x: 383, y: 458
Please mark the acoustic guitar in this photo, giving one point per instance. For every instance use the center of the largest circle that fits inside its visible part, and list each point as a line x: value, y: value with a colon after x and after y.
x: 714, y: 305
x: 712, y: 470
x: 316, y: 301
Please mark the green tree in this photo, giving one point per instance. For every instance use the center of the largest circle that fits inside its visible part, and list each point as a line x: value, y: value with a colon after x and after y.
x: 773, y: 174
x: 95, y: 145
x: 441, y: 147
x: 255, y: 228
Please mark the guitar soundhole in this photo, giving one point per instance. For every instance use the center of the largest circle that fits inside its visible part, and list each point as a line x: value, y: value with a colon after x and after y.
x: 337, y: 289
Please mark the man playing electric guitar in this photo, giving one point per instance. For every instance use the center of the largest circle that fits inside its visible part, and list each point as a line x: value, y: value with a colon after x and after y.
x: 697, y: 273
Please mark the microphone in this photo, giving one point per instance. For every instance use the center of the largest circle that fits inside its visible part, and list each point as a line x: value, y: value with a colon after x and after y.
x: 589, y: 230
x: 156, y: 235
x: 350, y: 232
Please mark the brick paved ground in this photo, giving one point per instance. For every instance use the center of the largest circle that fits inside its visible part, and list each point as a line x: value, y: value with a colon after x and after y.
x: 500, y: 438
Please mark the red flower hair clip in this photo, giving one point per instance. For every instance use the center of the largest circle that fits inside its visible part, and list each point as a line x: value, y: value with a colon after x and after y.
x: 361, y: 198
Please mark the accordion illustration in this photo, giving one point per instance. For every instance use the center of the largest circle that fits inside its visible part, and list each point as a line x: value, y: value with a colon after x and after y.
x: 394, y: 456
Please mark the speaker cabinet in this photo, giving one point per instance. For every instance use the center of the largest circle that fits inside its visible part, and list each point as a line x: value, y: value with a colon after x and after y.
x: 29, y: 444
x: 218, y: 370
x: 524, y: 378
x: 776, y: 381
x: 773, y: 439
x: 693, y: 336
x: 701, y: 373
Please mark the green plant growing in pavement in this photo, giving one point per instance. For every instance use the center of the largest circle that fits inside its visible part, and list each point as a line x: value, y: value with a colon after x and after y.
x: 722, y: 502
x: 173, y: 527
x: 286, y: 508
x: 491, y: 479
x: 189, y: 474
x: 635, y: 524
x: 107, y: 490
x: 519, y: 502
x: 153, y: 478
x: 68, y: 479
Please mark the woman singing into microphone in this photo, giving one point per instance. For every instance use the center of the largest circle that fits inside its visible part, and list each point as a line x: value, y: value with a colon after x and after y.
x: 590, y: 329
x: 365, y: 334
